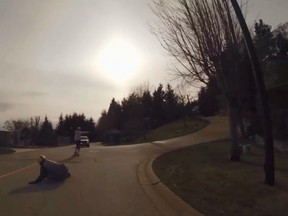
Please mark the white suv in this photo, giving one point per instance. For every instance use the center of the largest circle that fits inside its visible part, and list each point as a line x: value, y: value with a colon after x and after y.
x: 84, y: 141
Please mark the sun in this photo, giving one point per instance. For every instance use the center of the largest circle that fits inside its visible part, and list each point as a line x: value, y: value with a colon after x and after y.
x: 119, y: 60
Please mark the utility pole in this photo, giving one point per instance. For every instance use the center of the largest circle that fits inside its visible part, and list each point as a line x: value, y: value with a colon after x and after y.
x: 262, y: 98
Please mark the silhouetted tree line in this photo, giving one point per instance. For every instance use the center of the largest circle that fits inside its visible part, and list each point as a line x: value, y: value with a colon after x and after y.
x: 272, y: 49
x: 145, y: 110
x: 268, y: 43
x: 41, y: 133
x: 32, y: 131
x: 67, y: 125
x: 46, y: 134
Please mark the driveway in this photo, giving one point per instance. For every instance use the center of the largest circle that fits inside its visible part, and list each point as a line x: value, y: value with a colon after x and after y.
x: 114, y: 180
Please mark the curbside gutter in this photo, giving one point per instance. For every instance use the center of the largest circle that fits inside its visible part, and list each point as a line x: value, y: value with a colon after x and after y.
x: 164, y: 200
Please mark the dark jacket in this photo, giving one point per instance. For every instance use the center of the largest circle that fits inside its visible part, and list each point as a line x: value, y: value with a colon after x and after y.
x: 52, y: 170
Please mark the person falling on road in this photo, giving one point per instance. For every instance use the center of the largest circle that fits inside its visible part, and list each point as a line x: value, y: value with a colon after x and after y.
x: 51, y: 170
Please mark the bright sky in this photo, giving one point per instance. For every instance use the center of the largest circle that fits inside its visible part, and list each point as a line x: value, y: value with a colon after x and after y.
x: 65, y: 56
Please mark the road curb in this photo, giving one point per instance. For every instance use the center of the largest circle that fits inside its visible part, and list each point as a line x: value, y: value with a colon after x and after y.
x: 166, y: 202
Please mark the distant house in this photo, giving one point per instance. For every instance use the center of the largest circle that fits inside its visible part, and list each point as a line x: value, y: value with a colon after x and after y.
x: 6, y: 138
x: 64, y: 140
x: 113, y: 137
x: 276, y: 71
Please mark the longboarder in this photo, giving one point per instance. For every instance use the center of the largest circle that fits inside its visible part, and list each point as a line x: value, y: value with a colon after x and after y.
x: 77, y: 140
x: 77, y: 137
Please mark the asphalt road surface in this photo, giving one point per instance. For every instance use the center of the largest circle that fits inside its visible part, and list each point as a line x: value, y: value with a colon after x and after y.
x: 105, y: 180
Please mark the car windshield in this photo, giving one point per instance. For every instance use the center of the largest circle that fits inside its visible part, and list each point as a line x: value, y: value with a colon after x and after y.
x: 84, y: 137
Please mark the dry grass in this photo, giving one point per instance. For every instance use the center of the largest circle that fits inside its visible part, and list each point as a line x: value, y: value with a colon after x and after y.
x: 175, y: 129
x: 204, y: 178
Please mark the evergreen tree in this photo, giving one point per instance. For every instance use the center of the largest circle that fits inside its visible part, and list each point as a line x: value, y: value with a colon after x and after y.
x: 208, y: 99
x: 132, y: 112
x: 114, y: 115
x: 35, y: 125
x: 158, y: 104
x: 60, y: 129
x: 103, y: 124
x: 147, y: 102
x: 67, y: 126
x: 281, y: 39
x: 46, y: 135
x: 171, y: 104
x: 263, y: 39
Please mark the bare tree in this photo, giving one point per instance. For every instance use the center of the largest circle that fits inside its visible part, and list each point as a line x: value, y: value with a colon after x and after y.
x: 28, y: 129
x: 204, y: 38
x: 180, y: 35
x: 16, y: 125
x: 184, y: 93
x: 140, y: 89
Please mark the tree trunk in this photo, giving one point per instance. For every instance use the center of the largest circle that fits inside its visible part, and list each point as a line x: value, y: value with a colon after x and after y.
x: 243, y: 130
x: 235, y: 152
x: 225, y: 86
x: 262, y: 99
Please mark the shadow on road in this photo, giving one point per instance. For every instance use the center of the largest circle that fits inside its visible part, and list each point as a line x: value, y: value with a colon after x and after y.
x: 69, y: 159
x: 46, y: 185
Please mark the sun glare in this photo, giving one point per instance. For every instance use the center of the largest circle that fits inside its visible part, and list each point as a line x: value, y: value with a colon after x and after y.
x: 119, y: 60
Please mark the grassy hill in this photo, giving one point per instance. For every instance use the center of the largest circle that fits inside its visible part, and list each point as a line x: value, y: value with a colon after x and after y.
x: 175, y: 129
x: 203, y: 177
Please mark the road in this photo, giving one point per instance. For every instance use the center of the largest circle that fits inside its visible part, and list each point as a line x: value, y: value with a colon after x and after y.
x: 105, y: 180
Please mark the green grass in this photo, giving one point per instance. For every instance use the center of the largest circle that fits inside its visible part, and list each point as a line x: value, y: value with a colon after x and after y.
x: 6, y: 151
x: 203, y: 176
x: 174, y: 129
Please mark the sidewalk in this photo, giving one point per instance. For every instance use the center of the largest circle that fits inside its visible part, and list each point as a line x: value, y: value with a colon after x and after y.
x: 168, y: 203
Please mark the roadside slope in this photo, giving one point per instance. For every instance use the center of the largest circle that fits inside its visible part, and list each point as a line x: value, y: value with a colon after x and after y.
x: 164, y: 199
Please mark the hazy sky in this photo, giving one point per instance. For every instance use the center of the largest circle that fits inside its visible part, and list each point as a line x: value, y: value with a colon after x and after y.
x: 62, y: 56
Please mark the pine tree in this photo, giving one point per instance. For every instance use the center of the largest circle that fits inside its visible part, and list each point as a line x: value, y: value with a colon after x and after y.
x: 46, y: 135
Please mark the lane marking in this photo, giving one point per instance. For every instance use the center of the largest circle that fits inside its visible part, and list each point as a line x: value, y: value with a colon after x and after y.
x: 16, y: 171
